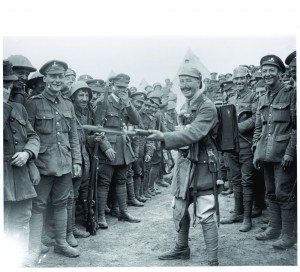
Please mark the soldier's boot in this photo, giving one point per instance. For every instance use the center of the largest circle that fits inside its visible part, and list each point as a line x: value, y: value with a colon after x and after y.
x: 132, y: 201
x: 273, y: 231
x: 69, y: 236
x: 77, y: 233
x: 121, y: 197
x: 181, y: 249
x: 287, y: 239
x: 137, y: 188
x: 102, y: 193
x: 247, y: 222
x: 162, y: 183
x: 210, y: 234
x: 60, y: 226
x: 35, y: 236
x: 237, y: 215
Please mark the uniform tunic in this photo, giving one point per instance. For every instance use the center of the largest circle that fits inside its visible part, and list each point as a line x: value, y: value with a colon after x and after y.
x: 18, y: 136
x: 53, y: 118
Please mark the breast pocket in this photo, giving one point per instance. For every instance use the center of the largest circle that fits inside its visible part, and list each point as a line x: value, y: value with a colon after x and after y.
x: 66, y: 122
x: 44, y: 123
x: 281, y: 113
x: 112, y: 120
x: 263, y: 110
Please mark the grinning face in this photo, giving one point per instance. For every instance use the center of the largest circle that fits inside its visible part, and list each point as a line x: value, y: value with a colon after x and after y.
x: 270, y: 74
x: 69, y: 80
x: 188, y: 86
x: 137, y: 103
x: 81, y: 98
x: 54, y: 82
x: 22, y: 75
x: 240, y: 83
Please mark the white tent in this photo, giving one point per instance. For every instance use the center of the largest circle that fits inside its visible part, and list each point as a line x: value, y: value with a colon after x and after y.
x: 192, y: 60
x: 111, y: 74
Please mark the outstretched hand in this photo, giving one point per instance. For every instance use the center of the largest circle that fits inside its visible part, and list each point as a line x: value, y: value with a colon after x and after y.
x: 156, y: 135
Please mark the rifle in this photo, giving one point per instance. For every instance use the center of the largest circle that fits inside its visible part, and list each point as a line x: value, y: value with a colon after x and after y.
x: 212, y: 163
x: 92, y: 216
x: 131, y: 133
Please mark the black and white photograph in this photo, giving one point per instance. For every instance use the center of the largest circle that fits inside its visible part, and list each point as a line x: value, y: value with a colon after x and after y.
x: 166, y: 146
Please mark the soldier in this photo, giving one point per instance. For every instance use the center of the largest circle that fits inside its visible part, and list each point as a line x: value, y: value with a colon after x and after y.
x: 167, y: 92
x: 53, y: 118
x: 22, y: 67
x: 201, y: 123
x: 84, y: 78
x: 241, y: 168
x: 115, y: 157
x: 20, y: 148
x: 97, y: 87
x: 133, y: 90
x: 291, y: 61
x: 35, y: 83
x: 70, y: 77
x: 260, y: 88
x: 148, y: 89
x: 81, y: 94
x: 274, y: 143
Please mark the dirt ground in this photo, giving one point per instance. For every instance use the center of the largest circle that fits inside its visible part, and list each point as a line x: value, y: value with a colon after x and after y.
x: 126, y: 244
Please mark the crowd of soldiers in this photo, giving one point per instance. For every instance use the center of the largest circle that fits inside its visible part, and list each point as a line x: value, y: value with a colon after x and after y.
x: 49, y: 150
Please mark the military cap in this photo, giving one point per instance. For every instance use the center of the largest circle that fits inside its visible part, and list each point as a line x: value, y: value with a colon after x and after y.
x: 148, y: 102
x: 228, y: 86
x: 8, y: 74
x: 155, y: 96
x: 257, y: 74
x: 228, y: 76
x: 190, y: 71
x: 154, y: 102
x: 252, y: 79
x: 240, y: 71
x: 156, y: 84
x: 70, y: 72
x: 148, y: 86
x: 164, y: 103
x: 291, y: 58
x: 221, y: 76
x: 225, y: 83
x: 21, y: 62
x: 260, y: 83
x: 84, y: 78
x: 53, y: 67
x: 273, y: 60
x: 96, y: 85
x: 140, y: 96
x: 133, y: 89
x: 213, y: 75
x: 33, y: 78
x: 80, y: 85
x: 171, y: 105
x: 121, y: 80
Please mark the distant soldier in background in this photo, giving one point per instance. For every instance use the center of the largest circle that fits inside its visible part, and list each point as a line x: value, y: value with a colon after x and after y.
x: 241, y: 167
x: 97, y: 87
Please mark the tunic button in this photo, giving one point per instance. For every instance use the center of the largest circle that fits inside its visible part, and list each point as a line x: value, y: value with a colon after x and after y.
x: 16, y: 143
x: 44, y: 117
x: 269, y: 124
x: 269, y: 135
x: 58, y: 133
x: 56, y: 112
x: 58, y: 142
x: 12, y: 119
x: 270, y: 114
x: 13, y: 131
x: 271, y: 105
x: 57, y: 123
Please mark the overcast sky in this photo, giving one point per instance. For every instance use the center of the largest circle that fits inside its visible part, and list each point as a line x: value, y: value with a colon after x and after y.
x: 152, y: 58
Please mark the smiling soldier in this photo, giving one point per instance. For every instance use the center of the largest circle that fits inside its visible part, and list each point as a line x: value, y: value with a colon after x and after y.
x: 275, y: 151
x: 53, y: 118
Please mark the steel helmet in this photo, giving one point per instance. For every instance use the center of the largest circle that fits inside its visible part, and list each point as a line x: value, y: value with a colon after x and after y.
x: 22, y: 62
